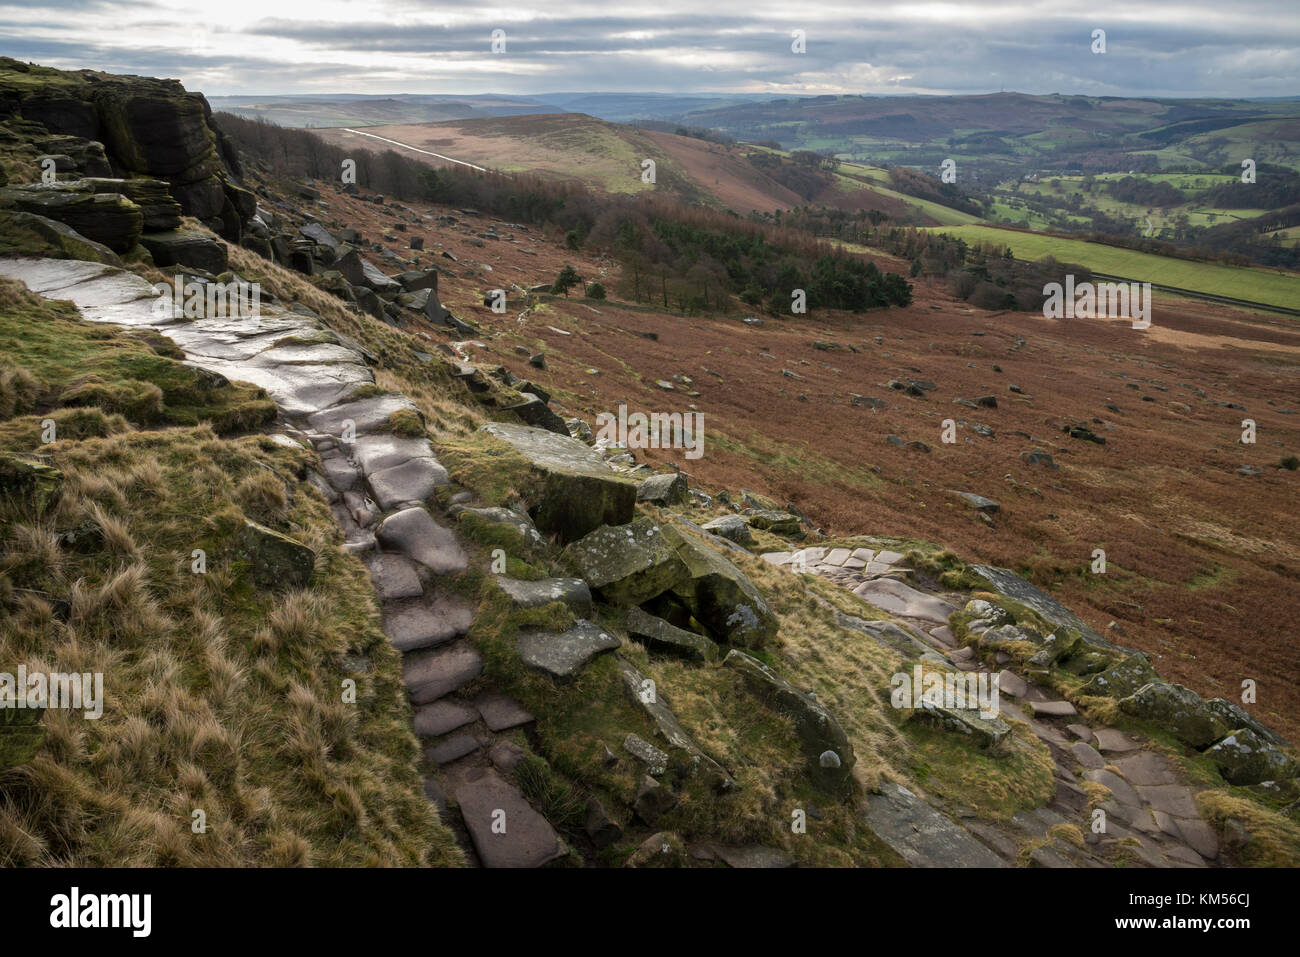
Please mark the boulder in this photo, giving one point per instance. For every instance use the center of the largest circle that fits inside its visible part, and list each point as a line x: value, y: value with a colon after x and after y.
x: 348, y: 264
x: 772, y: 520
x: 667, y: 489
x: 721, y: 598
x: 186, y: 247
x: 534, y: 411
x: 1235, y: 716
x: 653, y: 800
x: 502, y: 516
x: 656, y: 761
x: 276, y: 560
x: 731, y: 527
x: 979, y: 502
x: 1039, y: 457
x: 988, y: 730
x: 1244, y: 757
x: 417, y: 279
x: 983, y: 615
x: 371, y: 276
x: 825, y: 746
x: 631, y: 563
x: 1008, y: 583
x: 579, y: 491
x: 600, y: 826
x: 318, y: 234
x: 664, y: 636
x: 1178, y: 709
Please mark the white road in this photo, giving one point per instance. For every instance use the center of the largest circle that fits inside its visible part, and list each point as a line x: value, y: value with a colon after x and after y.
x: 415, y: 149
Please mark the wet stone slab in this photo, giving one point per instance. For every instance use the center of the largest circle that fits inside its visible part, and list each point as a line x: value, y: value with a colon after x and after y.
x: 419, y: 623
x: 414, y: 533
x: 921, y: 835
x: 526, y: 840
x: 430, y: 676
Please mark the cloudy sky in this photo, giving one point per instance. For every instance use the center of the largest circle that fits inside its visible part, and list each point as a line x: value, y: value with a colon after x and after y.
x: 1154, y: 48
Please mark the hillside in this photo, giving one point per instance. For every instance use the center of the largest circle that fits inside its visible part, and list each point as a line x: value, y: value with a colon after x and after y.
x: 395, y: 471
x: 609, y: 156
x: 1012, y: 130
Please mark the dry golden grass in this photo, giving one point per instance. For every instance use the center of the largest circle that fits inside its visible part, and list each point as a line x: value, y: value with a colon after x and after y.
x: 219, y: 696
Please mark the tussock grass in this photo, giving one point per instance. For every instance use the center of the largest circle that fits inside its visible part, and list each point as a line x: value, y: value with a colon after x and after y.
x: 219, y: 696
x: 1260, y: 837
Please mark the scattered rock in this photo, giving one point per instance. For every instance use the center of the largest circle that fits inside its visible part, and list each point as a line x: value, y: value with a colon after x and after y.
x: 667, y: 489
x: 276, y: 560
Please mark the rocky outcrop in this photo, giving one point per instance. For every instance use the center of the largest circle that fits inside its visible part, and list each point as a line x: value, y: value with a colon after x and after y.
x: 109, y: 219
x: 722, y: 598
x: 1178, y: 709
x: 1244, y: 757
x: 143, y: 126
x: 665, y: 636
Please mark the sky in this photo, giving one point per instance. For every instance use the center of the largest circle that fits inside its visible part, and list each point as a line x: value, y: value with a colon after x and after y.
x: 1152, y: 48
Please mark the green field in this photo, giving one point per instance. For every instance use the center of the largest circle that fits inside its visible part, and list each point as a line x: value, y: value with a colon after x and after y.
x: 856, y: 175
x: 1237, y: 282
x: 1188, y: 183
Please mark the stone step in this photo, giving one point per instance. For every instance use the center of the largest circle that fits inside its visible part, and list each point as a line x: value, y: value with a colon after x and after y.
x: 501, y: 712
x: 453, y: 748
x: 442, y: 717
x: 413, y: 624
x: 430, y: 676
x: 393, y: 576
x: 505, y: 829
x: 414, y: 533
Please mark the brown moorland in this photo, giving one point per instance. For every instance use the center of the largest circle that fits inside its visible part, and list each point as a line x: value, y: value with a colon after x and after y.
x: 1203, y: 562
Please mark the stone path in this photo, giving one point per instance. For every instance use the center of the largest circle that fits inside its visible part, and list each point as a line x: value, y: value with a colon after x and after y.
x: 1151, y: 819
x: 379, y: 486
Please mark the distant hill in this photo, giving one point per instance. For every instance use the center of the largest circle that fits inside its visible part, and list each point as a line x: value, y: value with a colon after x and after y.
x: 1080, y: 132
x: 609, y: 156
